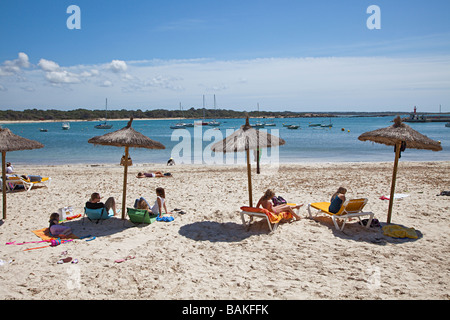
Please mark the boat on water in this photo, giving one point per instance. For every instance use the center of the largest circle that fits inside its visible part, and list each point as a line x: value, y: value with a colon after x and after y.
x: 178, y: 126
x: 181, y: 125
x: 214, y: 123
x: 415, y: 117
x: 293, y: 127
x: 258, y: 125
x: 447, y: 124
x: 314, y: 125
x: 43, y: 130
x: 326, y: 125
x: 65, y: 126
x: 104, y: 125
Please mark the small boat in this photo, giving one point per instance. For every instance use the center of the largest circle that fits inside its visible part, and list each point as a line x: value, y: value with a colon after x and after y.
x: 43, y: 130
x: 447, y: 124
x: 214, y: 123
x: 188, y: 125
x: 326, y: 125
x: 314, y: 124
x: 65, y: 126
x: 258, y: 125
x: 292, y: 127
x: 270, y: 124
x: 178, y: 126
x: 104, y: 125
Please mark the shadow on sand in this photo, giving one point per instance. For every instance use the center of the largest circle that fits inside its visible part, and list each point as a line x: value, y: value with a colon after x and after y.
x: 220, y: 232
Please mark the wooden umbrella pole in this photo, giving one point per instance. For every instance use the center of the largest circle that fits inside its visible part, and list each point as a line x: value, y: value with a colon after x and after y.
x: 249, y: 176
x: 394, y: 177
x: 4, y: 183
x: 125, y: 174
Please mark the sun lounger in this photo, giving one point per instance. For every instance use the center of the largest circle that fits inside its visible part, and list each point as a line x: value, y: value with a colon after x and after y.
x: 271, y: 218
x: 13, y: 181
x: 350, y: 209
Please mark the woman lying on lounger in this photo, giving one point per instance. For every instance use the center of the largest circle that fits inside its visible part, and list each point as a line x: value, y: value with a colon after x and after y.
x: 157, y: 174
x: 266, y: 203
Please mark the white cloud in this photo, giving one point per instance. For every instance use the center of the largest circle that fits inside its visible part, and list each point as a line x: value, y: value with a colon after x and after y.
x: 62, y: 77
x: 106, y: 84
x: 118, y: 66
x: 48, y: 65
x: 297, y: 84
x: 11, y: 67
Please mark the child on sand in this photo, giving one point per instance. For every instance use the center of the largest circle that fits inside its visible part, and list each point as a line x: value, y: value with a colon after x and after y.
x: 57, y: 229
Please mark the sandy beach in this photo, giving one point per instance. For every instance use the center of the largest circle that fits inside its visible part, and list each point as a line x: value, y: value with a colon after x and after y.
x: 208, y: 254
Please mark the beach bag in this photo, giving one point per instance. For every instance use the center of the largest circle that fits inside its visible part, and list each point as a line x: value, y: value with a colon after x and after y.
x: 123, y: 161
x: 278, y: 200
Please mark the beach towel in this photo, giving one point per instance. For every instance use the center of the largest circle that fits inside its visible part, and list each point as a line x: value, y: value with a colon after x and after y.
x: 397, y: 231
x: 44, y: 234
x: 397, y: 196
x: 164, y: 219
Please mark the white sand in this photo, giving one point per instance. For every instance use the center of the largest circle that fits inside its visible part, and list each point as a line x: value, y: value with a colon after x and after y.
x: 207, y: 253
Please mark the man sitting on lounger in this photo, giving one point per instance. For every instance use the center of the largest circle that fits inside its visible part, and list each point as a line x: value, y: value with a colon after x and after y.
x: 157, y: 174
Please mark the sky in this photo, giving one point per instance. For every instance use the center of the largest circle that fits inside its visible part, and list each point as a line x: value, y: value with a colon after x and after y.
x: 294, y: 55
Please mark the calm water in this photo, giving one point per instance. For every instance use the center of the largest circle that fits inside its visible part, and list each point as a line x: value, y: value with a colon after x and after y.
x: 306, y: 144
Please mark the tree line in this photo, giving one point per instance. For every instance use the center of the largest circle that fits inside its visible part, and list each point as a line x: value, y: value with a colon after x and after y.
x: 85, y: 114
x: 192, y: 113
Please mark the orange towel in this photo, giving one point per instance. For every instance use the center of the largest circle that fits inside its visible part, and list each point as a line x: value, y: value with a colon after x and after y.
x: 44, y: 234
x: 273, y: 217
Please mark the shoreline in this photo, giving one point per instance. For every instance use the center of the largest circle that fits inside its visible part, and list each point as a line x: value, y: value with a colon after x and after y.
x: 253, y: 164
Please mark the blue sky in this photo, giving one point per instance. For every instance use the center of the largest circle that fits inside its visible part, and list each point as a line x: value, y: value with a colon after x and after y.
x: 285, y: 55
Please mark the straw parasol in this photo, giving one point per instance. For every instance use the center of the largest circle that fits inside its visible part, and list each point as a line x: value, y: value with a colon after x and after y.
x: 129, y: 138
x: 245, y: 139
x: 11, y: 142
x: 399, y: 135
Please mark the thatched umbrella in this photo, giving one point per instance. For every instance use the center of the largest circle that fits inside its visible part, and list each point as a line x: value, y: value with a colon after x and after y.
x: 245, y: 139
x: 401, y: 136
x: 11, y: 142
x: 129, y: 138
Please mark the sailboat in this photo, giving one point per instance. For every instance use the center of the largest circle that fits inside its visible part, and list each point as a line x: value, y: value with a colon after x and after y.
x: 179, y: 125
x: 104, y: 125
x: 203, y: 122
x: 258, y: 124
x: 214, y: 122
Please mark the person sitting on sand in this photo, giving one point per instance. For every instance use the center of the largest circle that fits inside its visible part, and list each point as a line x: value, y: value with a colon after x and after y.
x: 94, y: 203
x: 171, y: 162
x: 266, y: 203
x: 142, y: 204
x: 160, y: 202
x: 337, y: 199
x: 57, y: 229
x: 157, y: 174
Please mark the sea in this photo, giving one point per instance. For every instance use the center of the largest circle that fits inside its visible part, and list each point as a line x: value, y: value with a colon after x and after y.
x: 310, y: 144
